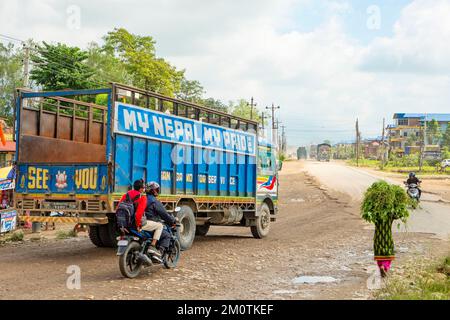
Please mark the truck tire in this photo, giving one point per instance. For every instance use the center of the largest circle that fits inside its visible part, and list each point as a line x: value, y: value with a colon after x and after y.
x: 262, y: 227
x: 94, y: 236
x: 188, y: 227
x: 202, y: 230
x: 107, y: 233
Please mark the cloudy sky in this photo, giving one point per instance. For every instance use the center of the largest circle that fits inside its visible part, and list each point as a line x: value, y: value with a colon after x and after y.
x: 325, y: 62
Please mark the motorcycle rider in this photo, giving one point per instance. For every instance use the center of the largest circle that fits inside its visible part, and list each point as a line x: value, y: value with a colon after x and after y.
x: 140, y: 204
x: 414, y: 180
x: 155, y: 211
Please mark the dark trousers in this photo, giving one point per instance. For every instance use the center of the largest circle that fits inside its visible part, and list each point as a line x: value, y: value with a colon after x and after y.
x: 164, y: 241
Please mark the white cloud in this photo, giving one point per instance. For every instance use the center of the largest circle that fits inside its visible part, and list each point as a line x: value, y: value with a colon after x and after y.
x: 420, y: 43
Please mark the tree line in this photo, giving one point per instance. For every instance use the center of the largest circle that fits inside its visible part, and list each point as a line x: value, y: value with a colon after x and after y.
x: 122, y: 57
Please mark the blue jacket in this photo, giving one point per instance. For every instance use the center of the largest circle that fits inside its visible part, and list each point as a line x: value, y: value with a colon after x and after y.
x: 155, y: 211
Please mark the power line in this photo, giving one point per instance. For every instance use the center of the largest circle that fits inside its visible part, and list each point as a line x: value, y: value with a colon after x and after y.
x: 11, y: 38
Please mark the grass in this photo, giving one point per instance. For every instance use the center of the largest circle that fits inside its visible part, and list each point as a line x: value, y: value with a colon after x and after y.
x: 16, y: 236
x: 66, y: 234
x: 396, y: 169
x: 419, y: 282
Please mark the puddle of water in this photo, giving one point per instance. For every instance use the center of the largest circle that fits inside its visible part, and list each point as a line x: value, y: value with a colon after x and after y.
x: 313, y: 280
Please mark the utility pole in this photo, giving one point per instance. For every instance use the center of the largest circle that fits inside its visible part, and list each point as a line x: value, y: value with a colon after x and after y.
x: 383, y: 148
x: 424, y: 142
x: 26, y: 66
x: 274, y: 129
x: 251, y: 104
x: 263, y: 120
x: 283, y: 140
x: 357, y: 142
x: 278, y: 137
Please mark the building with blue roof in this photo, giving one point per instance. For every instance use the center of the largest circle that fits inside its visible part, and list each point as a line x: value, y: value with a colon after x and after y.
x: 406, y: 134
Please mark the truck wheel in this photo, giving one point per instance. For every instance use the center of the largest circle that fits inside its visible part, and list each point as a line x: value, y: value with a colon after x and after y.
x: 107, y: 233
x: 187, y: 229
x: 202, y: 230
x: 94, y: 236
x: 262, y: 227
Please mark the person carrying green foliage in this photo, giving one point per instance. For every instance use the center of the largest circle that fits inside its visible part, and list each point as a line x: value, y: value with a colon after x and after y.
x: 383, y: 204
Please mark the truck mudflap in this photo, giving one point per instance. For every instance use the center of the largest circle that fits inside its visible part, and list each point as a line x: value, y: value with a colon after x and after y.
x: 76, y: 220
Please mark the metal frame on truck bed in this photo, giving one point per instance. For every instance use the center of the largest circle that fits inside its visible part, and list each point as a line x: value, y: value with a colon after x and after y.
x: 78, y: 151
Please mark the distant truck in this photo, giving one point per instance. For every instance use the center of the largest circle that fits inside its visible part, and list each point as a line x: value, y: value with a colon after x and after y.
x: 324, y: 152
x: 301, y: 153
x: 75, y: 159
x: 313, y: 152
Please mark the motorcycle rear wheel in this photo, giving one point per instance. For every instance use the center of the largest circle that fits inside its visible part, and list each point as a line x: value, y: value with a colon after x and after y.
x: 129, y: 264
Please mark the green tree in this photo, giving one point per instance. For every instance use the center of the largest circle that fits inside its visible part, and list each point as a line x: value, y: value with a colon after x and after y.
x: 59, y: 67
x: 106, y: 66
x: 434, y: 133
x: 214, y: 104
x: 446, y: 137
x: 138, y: 55
x: 11, y: 77
x: 243, y: 109
x: 412, y: 140
x: 190, y: 90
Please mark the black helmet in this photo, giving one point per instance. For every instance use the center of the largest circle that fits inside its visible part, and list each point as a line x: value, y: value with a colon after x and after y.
x: 412, y: 175
x: 152, y: 186
x: 138, y: 184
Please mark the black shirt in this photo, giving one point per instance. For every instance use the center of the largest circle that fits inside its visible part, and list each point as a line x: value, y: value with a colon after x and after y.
x: 414, y: 180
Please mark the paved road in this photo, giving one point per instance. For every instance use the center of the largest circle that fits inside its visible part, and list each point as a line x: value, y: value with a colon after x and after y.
x: 432, y: 217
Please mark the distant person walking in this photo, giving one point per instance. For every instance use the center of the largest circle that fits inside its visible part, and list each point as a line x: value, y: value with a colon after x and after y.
x: 383, y: 204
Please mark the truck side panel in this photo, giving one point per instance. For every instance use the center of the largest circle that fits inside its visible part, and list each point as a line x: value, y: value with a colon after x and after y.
x: 137, y: 158
x: 184, y: 156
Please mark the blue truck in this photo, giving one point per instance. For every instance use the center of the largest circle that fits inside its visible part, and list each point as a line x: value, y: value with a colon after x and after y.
x: 79, y: 151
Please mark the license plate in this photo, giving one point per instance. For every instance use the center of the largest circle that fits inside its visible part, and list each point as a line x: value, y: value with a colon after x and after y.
x: 60, y: 205
x: 122, y: 243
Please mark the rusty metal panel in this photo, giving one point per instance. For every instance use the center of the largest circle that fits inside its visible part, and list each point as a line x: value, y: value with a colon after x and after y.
x: 79, y: 131
x: 96, y: 133
x: 64, y: 127
x: 34, y: 149
x: 48, y: 125
x: 30, y: 120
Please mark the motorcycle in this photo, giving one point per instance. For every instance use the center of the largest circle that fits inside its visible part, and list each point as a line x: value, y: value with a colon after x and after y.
x: 413, y: 191
x: 131, y: 244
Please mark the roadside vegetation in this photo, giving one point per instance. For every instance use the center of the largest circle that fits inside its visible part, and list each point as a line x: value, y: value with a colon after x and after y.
x: 419, y: 281
x: 66, y: 234
x: 403, y: 165
x: 16, y: 236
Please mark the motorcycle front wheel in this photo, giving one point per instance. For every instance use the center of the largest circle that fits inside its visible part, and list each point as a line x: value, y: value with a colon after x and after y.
x: 172, y: 256
x: 129, y: 264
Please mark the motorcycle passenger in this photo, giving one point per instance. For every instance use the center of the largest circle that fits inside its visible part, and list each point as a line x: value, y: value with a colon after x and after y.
x: 155, y: 211
x: 141, y: 223
x: 414, y: 180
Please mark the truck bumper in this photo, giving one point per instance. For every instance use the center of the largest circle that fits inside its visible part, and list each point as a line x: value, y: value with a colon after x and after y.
x: 71, y: 220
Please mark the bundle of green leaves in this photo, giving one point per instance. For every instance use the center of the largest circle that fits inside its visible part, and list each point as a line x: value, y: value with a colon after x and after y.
x: 384, y: 201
